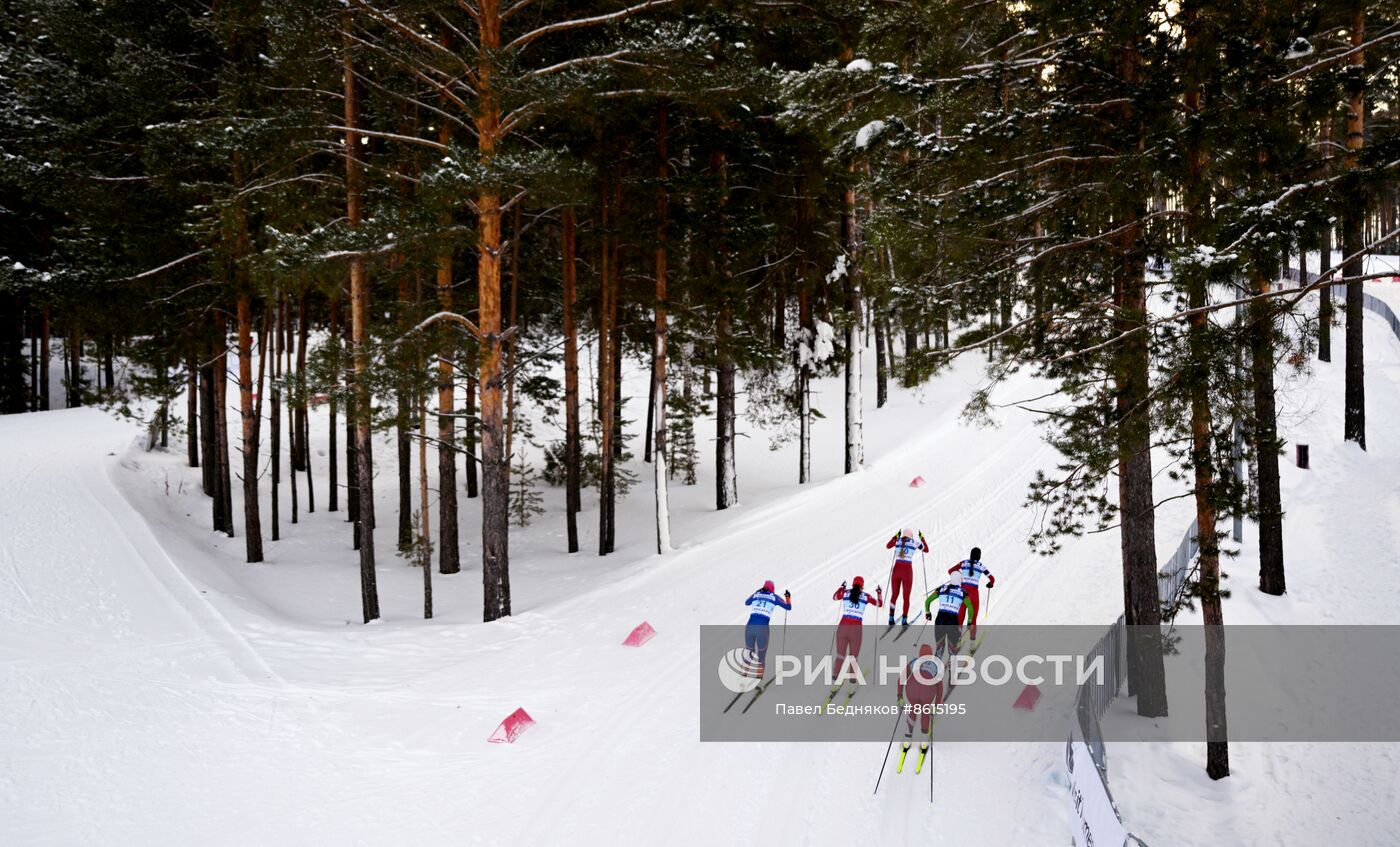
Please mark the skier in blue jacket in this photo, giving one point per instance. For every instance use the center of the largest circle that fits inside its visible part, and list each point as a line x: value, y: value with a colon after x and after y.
x: 761, y: 604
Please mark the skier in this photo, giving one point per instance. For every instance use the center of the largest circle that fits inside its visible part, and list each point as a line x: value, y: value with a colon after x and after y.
x: 946, y: 628
x: 921, y: 682
x: 763, y: 602
x: 904, y: 547
x: 971, y: 570
x: 853, y: 603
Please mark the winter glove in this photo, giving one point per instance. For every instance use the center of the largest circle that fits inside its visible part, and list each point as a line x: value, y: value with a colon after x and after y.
x: 928, y: 616
x: 991, y: 581
x: 787, y: 595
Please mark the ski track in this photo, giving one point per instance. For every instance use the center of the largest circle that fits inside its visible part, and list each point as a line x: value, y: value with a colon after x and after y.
x: 140, y: 653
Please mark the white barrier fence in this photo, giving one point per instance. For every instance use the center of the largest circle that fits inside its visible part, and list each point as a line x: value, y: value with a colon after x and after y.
x: 1097, y: 819
x: 1096, y: 816
x: 1370, y: 302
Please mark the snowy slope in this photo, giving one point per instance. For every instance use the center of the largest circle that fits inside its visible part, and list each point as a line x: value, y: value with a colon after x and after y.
x: 273, y: 720
x: 1341, y: 534
x: 164, y: 692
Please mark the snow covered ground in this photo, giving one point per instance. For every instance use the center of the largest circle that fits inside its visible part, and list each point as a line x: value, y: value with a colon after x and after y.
x: 158, y: 690
x: 1341, y: 537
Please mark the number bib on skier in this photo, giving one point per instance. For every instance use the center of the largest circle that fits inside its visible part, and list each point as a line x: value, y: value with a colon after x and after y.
x: 971, y: 573
x: 854, y: 609
x: 763, y: 605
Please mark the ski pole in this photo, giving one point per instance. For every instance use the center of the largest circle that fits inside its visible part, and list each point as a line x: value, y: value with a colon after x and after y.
x: 888, y: 748
x: 785, y: 613
x: 987, y: 612
x: 923, y: 566
x: 930, y: 761
x: 893, y: 556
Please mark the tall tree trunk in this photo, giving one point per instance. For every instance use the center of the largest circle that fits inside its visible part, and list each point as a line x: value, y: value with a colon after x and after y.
x: 469, y: 422
x: 1132, y: 377
x: 252, y: 522
x: 425, y: 559
x: 1266, y: 440
x: 572, y: 482
x: 804, y: 395
x: 1324, y: 249
x: 514, y: 339
x: 332, y: 457
x: 191, y: 410
x: 1324, y: 294
x: 882, y: 385
x: 288, y: 344
x: 275, y: 418
x: 359, y: 332
x: 404, y: 408
x: 45, y: 352
x: 75, y: 380
x: 1217, y: 745
x: 656, y: 423
x: 449, y: 546
x: 1135, y: 500
x: 495, y: 485
x: 109, y: 346
x: 1196, y: 193
x: 1353, y: 223
x: 352, y: 485
x: 855, y: 435
x: 726, y: 474
x: 807, y: 334
x: 225, y: 479
x: 163, y: 377
x: 651, y: 410
x: 607, y: 411
x: 209, y: 434
x: 34, y: 392
x: 615, y: 263
x: 303, y: 425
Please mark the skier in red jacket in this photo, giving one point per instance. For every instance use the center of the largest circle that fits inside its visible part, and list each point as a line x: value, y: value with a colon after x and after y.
x: 917, y: 685
x: 902, y: 577
x: 853, y: 603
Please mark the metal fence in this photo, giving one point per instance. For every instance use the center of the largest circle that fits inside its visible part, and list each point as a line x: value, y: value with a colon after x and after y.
x: 1094, y: 697
x: 1370, y: 302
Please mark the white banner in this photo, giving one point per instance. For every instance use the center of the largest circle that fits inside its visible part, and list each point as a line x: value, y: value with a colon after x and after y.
x: 1092, y: 814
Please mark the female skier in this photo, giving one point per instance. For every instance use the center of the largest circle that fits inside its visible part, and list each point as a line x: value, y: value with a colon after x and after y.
x: 853, y: 603
x: 762, y: 603
x: 902, y: 576
x: 921, y: 682
x: 946, y: 629
x: 970, y: 571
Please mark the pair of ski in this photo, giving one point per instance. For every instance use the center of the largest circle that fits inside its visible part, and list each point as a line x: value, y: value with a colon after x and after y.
x: 903, y: 628
x: 758, y: 692
x: 855, y: 687
x: 924, y: 749
x: 923, y: 752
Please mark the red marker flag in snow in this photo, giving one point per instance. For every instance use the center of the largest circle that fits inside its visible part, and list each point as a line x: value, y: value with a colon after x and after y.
x: 641, y: 635
x: 1030, y: 695
x: 511, y: 727
x: 916, y: 482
